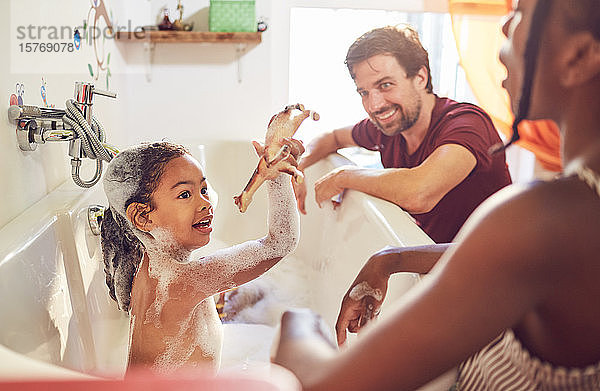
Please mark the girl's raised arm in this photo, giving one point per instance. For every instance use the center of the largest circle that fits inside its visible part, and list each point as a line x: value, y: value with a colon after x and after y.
x: 236, y: 265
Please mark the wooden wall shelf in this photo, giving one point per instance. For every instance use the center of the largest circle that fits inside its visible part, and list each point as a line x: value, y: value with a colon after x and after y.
x: 149, y: 39
x: 187, y: 37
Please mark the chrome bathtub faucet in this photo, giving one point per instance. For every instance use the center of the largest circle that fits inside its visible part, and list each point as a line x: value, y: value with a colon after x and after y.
x: 75, y: 123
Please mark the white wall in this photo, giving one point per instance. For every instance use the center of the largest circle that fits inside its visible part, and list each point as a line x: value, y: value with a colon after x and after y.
x: 194, y: 91
x: 27, y: 176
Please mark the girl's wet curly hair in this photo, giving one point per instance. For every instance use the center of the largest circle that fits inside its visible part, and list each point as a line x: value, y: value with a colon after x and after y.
x: 132, y: 176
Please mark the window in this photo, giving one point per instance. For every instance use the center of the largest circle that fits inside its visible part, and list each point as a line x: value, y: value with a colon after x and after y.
x: 319, y: 40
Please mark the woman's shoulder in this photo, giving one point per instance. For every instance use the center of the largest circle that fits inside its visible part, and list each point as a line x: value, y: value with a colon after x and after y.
x: 528, y: 235
x: 562, y: 196
x: 537, y: 209
x: 540, y: 214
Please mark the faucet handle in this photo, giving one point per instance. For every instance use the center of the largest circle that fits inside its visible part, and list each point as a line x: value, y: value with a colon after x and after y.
x: 84, y: 98
x: 108, y: 94
x: 84, y: 93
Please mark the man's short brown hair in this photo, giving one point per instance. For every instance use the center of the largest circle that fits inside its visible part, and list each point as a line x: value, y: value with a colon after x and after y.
x: 402, y: 42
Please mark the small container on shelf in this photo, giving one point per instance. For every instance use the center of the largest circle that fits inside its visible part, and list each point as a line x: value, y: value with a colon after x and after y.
x: 232, y: 16
x: 165, y: 24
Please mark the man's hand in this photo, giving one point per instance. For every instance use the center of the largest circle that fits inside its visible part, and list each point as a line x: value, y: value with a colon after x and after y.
x: 362, y: 302
x: 329, y: 186
x: 300, y: 193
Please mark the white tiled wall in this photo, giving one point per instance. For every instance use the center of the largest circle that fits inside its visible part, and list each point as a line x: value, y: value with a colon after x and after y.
x: 188, y: 91
x: 25, y: 177
x: 194, y: 92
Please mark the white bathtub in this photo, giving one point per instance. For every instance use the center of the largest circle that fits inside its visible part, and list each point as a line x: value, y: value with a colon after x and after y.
x: 57, y: 320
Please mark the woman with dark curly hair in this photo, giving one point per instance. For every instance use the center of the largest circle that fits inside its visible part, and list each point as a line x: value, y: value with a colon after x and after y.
x: 511, y: 304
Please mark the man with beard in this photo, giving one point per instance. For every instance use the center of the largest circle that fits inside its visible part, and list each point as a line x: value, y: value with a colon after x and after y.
x: 434, y: 150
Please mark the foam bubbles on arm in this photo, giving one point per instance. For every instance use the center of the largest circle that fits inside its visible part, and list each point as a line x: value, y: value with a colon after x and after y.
x: 241, y: 263
x: 284, y: 221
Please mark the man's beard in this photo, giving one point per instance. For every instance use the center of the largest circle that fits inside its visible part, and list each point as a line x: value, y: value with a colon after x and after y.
x: 406, y: 119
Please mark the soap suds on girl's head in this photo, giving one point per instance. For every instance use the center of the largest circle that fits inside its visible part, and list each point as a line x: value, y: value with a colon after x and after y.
x: 171, y: 300
x: 130, y: 177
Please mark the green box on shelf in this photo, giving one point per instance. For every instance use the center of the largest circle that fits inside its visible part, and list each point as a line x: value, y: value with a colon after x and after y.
x: 232, y: 16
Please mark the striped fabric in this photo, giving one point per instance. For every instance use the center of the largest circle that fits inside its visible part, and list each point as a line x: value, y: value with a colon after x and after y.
x: 504, y: 365
x: 585, y: 174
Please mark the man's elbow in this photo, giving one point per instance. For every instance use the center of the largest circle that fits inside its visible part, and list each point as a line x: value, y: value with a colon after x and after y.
x: 418, y: 204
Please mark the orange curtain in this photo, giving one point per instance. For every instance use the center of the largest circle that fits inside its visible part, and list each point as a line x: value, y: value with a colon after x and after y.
x: 477, y: 31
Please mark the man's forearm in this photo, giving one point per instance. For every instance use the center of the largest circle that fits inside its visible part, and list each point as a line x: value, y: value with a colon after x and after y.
x: 417, y: 189
x: 404, y: 187
x: 318, y: 149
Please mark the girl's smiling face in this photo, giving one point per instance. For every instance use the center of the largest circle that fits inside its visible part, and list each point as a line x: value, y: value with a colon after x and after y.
x: 181, y: 203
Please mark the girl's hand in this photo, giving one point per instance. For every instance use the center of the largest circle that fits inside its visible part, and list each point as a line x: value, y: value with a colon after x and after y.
x: 287, y: 162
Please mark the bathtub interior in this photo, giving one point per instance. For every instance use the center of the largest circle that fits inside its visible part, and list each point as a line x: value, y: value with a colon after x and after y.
x: 55, y: 307
x: 334, y: 244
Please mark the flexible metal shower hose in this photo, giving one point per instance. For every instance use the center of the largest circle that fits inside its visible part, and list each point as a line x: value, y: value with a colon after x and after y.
x: 92, y: 141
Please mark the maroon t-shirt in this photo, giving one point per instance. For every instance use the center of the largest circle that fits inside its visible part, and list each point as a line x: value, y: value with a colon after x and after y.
x: 451, y: 123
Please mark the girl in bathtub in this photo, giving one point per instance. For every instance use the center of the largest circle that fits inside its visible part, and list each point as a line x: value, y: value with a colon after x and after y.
x: 159, y: 213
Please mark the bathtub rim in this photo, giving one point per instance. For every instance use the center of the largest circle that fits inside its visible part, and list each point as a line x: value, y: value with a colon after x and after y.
x: 38, y: 218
